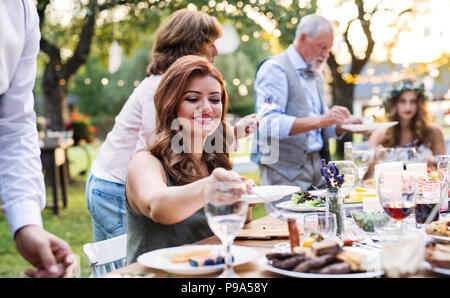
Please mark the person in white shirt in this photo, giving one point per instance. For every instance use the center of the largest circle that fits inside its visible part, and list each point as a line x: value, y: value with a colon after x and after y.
x: 184, y: 33
x: 22, y: 189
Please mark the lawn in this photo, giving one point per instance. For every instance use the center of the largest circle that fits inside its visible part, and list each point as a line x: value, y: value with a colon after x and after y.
x: 73, y: 224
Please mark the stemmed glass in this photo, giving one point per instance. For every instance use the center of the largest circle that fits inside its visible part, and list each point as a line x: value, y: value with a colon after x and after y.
x: 348, y: 168
x: 443, y: 166
x: 226, y: 212
x: 406, y: 155
x: 397, y: 194
x: 384, y: 155
x: 362, y: 160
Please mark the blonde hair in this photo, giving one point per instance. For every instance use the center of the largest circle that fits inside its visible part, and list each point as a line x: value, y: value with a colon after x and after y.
x: 185, y: 32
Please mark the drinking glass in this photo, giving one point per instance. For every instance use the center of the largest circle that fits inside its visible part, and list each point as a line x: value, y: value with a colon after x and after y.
x: 348, y: 168
x: 427, y: 202
x: 323, y: 224
x: 362, y: 160
x: 396, y: 192
x: 226, y: 212
x: 402, y: 255
x: 384, y: 155
x: 443, y: 166
x: 406, y: 155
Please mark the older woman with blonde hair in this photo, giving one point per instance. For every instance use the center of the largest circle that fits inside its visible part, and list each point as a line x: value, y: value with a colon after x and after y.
x: 405, y: 102
x: 185, y: 32
x: 166, y: 181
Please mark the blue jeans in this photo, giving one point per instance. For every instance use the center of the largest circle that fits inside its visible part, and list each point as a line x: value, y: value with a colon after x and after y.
x: 106, y: 203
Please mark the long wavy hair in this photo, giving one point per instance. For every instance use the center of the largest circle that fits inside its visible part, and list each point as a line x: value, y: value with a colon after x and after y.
x: 420, y: 124
x: 181, y: 166
x: 185, y: 32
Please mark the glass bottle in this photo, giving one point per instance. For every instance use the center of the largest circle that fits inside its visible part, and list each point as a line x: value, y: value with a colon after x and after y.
x: 348, y: 151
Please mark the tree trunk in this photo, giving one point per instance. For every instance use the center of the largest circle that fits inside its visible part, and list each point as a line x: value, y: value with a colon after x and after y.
x: 55, y: 94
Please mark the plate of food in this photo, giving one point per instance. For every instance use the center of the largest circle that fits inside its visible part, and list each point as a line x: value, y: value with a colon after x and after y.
x: 368, y: 126
x: 439, y: 230
x: 195, y: 259
x: 303, y: 201
x: 437, y: 258
x: 270, y: 193
x: 324, y: 259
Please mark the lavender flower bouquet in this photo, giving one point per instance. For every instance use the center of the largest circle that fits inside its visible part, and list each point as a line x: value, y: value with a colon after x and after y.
x: 330, y: 173
x: 335, y: 203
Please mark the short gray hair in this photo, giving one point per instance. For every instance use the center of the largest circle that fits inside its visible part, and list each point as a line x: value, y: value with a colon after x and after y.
x: 312, y: 25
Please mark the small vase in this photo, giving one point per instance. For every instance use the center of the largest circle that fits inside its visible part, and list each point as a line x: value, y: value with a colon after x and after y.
x: 335, y: 204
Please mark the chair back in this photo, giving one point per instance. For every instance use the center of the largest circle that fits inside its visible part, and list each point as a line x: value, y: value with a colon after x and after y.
x: 107, y: 255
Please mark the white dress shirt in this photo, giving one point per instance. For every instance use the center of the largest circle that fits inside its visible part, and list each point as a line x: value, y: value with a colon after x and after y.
x: 22, y: 188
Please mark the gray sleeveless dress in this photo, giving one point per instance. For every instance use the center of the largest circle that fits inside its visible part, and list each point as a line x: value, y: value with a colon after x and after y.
x: 144, y: 235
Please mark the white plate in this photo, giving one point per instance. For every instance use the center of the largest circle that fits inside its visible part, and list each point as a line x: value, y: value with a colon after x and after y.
x: 287, y: 205
x: 155, y: 259
x: 263, y: 262
x: 368, y: 126
x: 441, y: 239
x: 270, y: 193
x: 436, y: 269
x: 318, y: 192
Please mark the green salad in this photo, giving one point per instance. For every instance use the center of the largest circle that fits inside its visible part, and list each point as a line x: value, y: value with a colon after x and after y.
x: 305, y: 200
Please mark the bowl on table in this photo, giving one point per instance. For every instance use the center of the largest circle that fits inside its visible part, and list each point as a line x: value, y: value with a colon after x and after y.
x: 367, y: 221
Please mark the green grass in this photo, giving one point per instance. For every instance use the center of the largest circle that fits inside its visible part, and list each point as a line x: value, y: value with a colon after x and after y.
x: 73, y: 224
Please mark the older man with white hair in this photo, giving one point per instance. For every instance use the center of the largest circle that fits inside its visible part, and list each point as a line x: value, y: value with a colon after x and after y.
x: 295, y: 120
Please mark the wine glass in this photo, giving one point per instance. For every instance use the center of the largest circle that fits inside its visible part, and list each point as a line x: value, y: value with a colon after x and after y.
x: 397, y: 193
x: 226, y: 212
x: 384, y: 155
x: 362, y: 160
x: 406, y: 155
x: 443, y: 166
x: 348, y: 168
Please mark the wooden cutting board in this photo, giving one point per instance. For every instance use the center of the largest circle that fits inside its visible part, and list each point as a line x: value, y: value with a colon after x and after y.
x: 264, y: 230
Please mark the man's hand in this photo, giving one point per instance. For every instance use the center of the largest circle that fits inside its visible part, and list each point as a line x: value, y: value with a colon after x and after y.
x: 51, y: 256
x: 336, y: 115
x: 351, y: 120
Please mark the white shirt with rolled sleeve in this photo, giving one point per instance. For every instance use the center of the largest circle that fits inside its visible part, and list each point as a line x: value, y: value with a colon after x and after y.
x: 22, y: 188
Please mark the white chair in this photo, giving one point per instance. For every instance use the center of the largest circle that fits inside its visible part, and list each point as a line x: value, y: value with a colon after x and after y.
x: 101, y: 254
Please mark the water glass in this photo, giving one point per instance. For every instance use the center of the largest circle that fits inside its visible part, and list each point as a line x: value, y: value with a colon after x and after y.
x: 226, y: 212
x: 402, y: 255
x: 323, y: 223
x: 362, y: 160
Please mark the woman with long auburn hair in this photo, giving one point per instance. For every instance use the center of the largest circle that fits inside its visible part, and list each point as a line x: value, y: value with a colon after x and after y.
x: 405, y: 102
x: 185, y: 32
x: 166, y: 181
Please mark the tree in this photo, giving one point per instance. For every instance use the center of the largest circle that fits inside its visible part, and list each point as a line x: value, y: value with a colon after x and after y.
x: 93, y: 23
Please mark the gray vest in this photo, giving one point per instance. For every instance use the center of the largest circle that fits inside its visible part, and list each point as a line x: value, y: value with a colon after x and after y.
x: 144, y: 235
x: 293, y: 154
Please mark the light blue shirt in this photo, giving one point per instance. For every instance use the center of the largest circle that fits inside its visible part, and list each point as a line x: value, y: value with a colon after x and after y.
x: 271, y: 83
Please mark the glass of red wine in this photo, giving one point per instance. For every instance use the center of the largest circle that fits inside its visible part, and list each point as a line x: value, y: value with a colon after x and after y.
x: 427, y: 201
x: 397, y: 194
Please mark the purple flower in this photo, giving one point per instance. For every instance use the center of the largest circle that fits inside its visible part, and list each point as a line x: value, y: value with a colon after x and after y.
x: 330, y: 173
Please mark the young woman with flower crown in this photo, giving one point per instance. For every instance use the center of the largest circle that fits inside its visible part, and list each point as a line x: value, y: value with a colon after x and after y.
x: 405, y: 102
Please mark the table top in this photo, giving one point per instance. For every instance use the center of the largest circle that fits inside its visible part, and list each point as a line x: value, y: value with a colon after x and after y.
x: 247, y: 270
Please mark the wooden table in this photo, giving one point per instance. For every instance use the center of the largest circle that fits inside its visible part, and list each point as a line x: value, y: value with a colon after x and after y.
x: 247, y: 270
x: 55, y: 166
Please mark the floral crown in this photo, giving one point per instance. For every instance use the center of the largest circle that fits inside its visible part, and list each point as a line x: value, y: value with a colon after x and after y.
x: 402, y: 86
